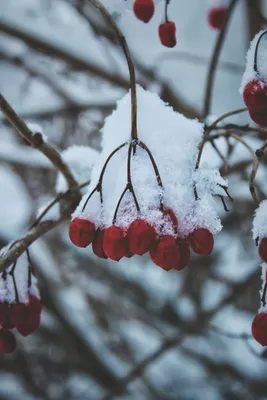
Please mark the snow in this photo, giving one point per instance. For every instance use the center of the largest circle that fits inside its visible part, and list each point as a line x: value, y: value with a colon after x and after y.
x: 260, y: 221
x: 250, y: 73
x: 173, y: 141
x: 80, y: 160
x: 20, y: 271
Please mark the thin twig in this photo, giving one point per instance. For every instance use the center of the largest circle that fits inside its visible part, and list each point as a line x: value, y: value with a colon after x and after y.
x: 37, y: 141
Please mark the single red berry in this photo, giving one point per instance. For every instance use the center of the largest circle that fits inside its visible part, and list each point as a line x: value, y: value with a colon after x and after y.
x: 141, y: 237
x: 184, y: 254
x: 5, y: 316
x: 26, y: 317
x: 172, y: 218
x: 166, y: 254
x: 115, y: 243
x: 81, y: 232
x: 201, y: 240
x: 262, y: 249
x: 144, y: 9
x: 255, y: 95
x: 217, y: 17
x: 167, y: 34
x: 259, y: 328
x: 7, y: 341
x: 259, y: 117
x: 98, y: 244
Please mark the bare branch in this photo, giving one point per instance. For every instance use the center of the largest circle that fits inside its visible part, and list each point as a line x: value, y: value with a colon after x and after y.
x: 36, y: 141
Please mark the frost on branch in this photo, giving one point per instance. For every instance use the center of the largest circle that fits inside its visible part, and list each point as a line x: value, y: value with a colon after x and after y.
x: 80, y: 160
x: 153, y: 180
x: 20, y: 306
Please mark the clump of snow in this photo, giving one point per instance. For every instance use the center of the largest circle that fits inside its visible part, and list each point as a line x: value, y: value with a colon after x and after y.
x: 80, y: 160
x: 250, y: 73
x: 36, y: 128
x: 16, y: 278
x: 260, y: 221
x: 173, y: 141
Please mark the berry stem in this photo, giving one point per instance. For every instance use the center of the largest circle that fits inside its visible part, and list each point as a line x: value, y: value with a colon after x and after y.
x: 123, y: 43
x: 263, y: 297
x: 256, y: 53
x: 155, y: 167
x: 167, y: 2
x: 98, y: 187
x: 11, y: 273
x: 129, y: 185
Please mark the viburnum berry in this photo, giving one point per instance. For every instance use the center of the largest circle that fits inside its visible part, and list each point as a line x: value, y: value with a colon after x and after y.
x: 259, y: 328
x: 7, y: 341
x: 255, y: 95
x: 201, y: 240
x: 144, y: 9
x: 5, y: 320
x: 166, y: 254
x: 167, y: 34
x: 141, y: 237
x: 81, y: 232
x: 262, y: 249
x: 26, y: 317
x: 217, y: 17
x: 98, y: 244
x: 115, y: 243
x: 184, y: 250
x: 259, y: 117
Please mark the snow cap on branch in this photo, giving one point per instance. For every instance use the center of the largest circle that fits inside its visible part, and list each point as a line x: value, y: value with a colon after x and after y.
x: 260, y: 221
x: 173, y: 140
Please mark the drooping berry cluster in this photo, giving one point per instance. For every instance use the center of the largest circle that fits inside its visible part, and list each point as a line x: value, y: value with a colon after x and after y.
x: 139, y: 202
x: 20, y: 306
x: 144, y: 11
x: 254, y: 84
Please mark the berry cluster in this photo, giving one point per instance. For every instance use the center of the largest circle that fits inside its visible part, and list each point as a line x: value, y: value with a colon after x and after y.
x: 166, y: 251
x: 163, y: 208
x: 144, y: 11
x: 254, y: 85
x: 20, y: 306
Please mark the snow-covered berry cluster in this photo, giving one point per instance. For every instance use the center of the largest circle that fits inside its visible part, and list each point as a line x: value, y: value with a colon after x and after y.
x: 20, y: 306
x: 145, y: 194
x: 254, y: 82
x: 144, y: 11
x: 218, y: 14
x: 259, y: 325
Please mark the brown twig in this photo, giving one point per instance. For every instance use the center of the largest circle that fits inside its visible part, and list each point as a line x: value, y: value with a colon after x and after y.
x: 125, y: 48
x: 36, y: 141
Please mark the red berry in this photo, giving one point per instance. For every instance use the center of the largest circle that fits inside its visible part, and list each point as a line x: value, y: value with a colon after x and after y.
x: 259, y: 328
x: 166, y: 254
x: 141, y: 237
x: 172, y: 218
x: 201, y: 241
x: 263, y: 249
x: 7, y: 341
x: 144, y: 9
x: 259, y: 117
x: 5, y: 316
x: 115, y: 243
x: 81, y: 232
x: 167, y: 34
x: 217, y: 17
x: 255, y: 95
x: 98, y: 244
x: 184, y: 254
x: 26, y: 317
